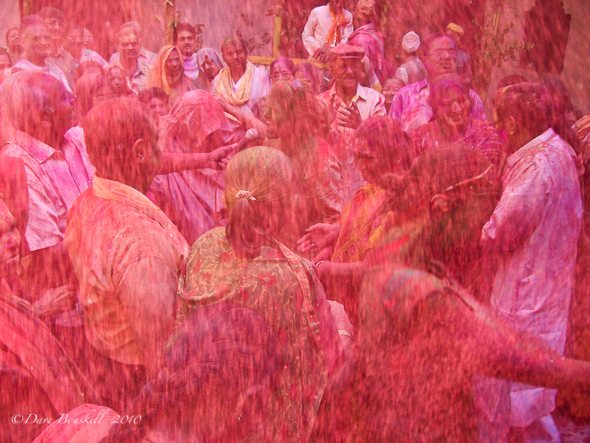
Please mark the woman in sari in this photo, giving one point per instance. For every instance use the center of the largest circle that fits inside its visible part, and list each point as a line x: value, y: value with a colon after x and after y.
x: 168, y: 73
x: 452, y: 125
x: 382, y: 154
x: 210, y: 63
x: 192, y: 198
x: 246, y: 264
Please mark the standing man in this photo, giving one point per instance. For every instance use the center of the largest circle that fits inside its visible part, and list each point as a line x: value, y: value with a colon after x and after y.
x: 366, y: 36
x: 326, y: 27
x: 534, y: 230
x: 349, y: 103
x: 240, y: 83
x: 134, y: 59
x: 412, y: 69
x: 186, y: 41
x: 37, y: 44
x: 410, y: 107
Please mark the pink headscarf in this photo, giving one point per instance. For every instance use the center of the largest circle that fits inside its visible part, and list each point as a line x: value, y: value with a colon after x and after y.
x: 196, y: 114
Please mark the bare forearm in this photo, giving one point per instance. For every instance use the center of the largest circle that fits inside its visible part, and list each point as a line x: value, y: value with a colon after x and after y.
x: 175, y: 162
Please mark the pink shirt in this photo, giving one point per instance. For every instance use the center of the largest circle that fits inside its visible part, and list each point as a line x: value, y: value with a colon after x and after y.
x: 55, y: 179
x: 410, y: 107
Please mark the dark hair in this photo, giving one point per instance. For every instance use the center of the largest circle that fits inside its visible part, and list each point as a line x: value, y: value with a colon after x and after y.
x: 386, y: 137
x: 528, y: 103
x: 51, y: 12
x: 222, y: 355
x: 147, y: 94
x: 184, y: 27
x: 110, y: 129
x: 235, y: 40
x: 86, y: 88
x: 285, y: 61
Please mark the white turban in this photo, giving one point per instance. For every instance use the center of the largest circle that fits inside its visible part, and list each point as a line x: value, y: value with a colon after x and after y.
x: 411, y: 42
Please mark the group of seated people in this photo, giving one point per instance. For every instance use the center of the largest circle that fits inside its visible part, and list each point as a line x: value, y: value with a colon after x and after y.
x: 197, y: 248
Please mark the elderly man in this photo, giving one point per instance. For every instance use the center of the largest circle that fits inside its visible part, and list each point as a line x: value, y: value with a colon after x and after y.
x: 366, y: 36
x: 37, y: 43
x: 39, y: 109
x: 326, y: 27
x: 349, y: 103
x: 186, y: 41
x: 410, y: 105
x: 412, y: 69
x: 534, y: 230
x: 240, y: 83
x: 74, y: 45
x: 54, y: 20
x: 135, y: 60
x: 126, y: 253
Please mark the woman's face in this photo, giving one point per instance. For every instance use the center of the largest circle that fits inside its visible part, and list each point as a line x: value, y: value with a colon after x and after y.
x: 116, y: 80
x: 452, y: 109
x: 280, y: 72
x: 210, y: 68
x: 174, y: 68
x: 374, y: 167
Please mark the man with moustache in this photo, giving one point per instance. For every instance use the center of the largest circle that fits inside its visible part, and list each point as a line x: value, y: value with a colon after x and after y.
x: 186, y: 41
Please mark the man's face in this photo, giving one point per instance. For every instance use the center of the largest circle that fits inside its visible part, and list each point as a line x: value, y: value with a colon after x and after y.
x: 390, y: 87
x: 186, y: 42
x: 173, y: 66
x: 441, y: 58
x: 348, y: 72
x: 210, y: 68
x: 116, y: 81
x: 37, y: 42
x: 129, y: 46
x: 453, y: 109
x: 9, y: 239
x: 55, y: 27
x: 157, y: 108
x: 74, y: 41
x: 235, y: 57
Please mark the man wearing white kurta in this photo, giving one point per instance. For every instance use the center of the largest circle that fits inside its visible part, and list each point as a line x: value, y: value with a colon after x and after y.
x: 535, y: 229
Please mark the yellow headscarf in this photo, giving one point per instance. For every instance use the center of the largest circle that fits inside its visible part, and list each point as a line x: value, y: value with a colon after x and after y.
x: 225, y: 86
x: 158, y: 77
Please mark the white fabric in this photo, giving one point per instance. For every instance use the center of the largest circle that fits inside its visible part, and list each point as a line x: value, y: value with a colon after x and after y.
x: 260, y: 86
x: 536, y: 226
x: 318, y: 26
x: 191, y: 68
x: 411, y: 42
x: 49, y: 68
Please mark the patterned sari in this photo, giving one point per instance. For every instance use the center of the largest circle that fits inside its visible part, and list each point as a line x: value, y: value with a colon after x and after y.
x: 283, y: 289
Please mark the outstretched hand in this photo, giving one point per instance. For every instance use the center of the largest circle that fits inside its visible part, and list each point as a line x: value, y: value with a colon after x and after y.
x: 318, y: 237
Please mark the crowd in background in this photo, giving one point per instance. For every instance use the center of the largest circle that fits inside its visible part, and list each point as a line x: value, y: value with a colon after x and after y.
x: 199, y: 248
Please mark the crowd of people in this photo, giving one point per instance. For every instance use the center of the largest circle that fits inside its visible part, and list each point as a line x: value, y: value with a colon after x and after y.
x: 198, y: 248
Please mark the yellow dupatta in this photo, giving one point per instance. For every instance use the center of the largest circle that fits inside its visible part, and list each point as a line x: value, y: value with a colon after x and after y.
x: 225, y: 86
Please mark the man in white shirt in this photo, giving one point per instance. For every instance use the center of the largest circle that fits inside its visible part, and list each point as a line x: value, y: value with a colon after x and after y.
x: 135, y: 60
x: 186, y: 41
x: 326, y: 27
x: 349, y: 103
x: 37, y: 50
x: 240, y: 83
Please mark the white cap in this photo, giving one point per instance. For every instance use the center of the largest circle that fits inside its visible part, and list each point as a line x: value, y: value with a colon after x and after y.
x: 411, y: 42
